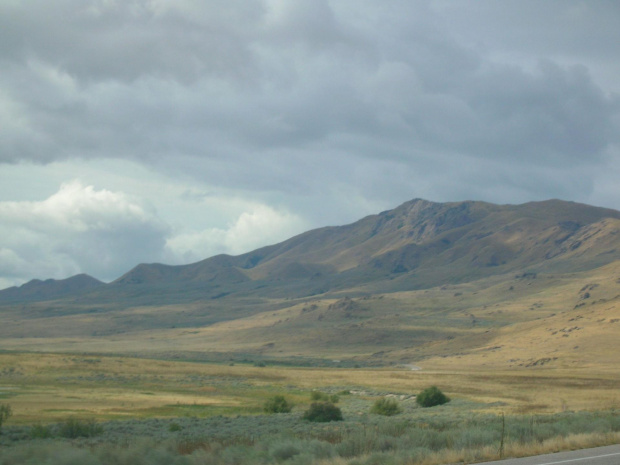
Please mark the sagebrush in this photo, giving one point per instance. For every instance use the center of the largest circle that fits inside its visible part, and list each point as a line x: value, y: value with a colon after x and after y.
x: 415, y: 436
x: 386, y: 407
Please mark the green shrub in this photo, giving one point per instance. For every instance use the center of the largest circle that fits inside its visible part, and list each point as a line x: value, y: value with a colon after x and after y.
x: 318, y: 396
x: 5, y: 413
x: 284, y: 451
x: 173, y: 427
x: 322, y: 412
x: 40, y: 431
x: 431, y: 397
x: 387, y: 407
x: 74, y: 428
x: 278, y: 404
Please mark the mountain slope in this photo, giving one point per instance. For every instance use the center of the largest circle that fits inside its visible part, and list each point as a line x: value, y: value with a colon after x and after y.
x: 50, y: 288
x: 422, y: 281
x: 416, y: 245
x: 448, y: 242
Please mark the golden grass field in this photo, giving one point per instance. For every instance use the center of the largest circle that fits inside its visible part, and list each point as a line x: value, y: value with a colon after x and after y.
x: 51, y: 387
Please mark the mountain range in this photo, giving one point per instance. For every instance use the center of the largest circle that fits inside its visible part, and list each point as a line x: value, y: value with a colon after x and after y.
x: 419, y: 278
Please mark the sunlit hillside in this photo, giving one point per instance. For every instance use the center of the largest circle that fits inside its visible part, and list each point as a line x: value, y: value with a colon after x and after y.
x: 426, y: 284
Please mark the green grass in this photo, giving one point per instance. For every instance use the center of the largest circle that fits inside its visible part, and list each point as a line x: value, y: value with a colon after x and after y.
x: 197, y: 411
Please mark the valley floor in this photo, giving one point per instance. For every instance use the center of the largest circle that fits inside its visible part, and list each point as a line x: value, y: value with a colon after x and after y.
x: 145, y: 411
x: 50, y: 387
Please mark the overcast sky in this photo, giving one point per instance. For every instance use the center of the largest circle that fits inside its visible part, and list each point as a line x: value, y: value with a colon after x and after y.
x: 173, y: 130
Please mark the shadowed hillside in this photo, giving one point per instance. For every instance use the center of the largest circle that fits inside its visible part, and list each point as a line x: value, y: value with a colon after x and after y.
x: 50, y: 288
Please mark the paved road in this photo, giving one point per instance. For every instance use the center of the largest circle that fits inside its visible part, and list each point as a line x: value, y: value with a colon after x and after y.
x: 609, y: 455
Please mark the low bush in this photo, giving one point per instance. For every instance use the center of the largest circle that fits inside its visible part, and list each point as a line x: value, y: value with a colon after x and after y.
x: 74, y: 428
x: 318, y: 396
x: 386, y: 407
x: 173, y: 427
x: 5, y: 413
x: 284, y: 451
x: 322, y: 412
x: 40, y: 431
x: 278, y: 404
x: 431, y: 397
x: 413, y: 437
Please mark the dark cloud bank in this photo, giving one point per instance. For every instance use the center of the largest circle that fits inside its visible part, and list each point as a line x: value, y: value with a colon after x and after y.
x: 324, y: 108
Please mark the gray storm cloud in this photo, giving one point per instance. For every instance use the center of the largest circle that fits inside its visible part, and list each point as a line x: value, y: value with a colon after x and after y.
x: 328, y: 109
x: 246, y: 80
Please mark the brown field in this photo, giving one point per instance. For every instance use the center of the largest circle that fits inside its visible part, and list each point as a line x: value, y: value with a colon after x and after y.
x: 50, y: 387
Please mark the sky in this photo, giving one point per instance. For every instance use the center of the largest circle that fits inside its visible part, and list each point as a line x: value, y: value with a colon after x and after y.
x: 141, y: 131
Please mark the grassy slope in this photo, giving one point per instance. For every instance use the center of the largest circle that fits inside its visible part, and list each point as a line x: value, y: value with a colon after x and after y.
x: 454, y: 289
x: 500, y: 322
x: 538, y: 347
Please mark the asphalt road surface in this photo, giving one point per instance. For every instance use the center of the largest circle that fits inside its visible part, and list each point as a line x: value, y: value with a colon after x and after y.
x: 609, y: 455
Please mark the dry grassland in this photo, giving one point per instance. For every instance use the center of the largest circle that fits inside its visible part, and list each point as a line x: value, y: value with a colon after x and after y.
x: 50, y: 387
x: 502, y: 322
x: 516, y: 344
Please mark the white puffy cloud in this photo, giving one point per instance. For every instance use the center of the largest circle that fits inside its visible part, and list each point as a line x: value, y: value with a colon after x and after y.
x: 106, y: 233
x: 77, y: 229
x: 258, y: 226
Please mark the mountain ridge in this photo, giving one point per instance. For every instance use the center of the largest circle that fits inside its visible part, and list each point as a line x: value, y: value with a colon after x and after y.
x: 452, y: 240
x: 394, y: 240
x: 37, y: 289
x: 420, y: 282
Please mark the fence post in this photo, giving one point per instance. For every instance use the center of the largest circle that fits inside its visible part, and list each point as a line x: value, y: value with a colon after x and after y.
x: 501, y: 444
